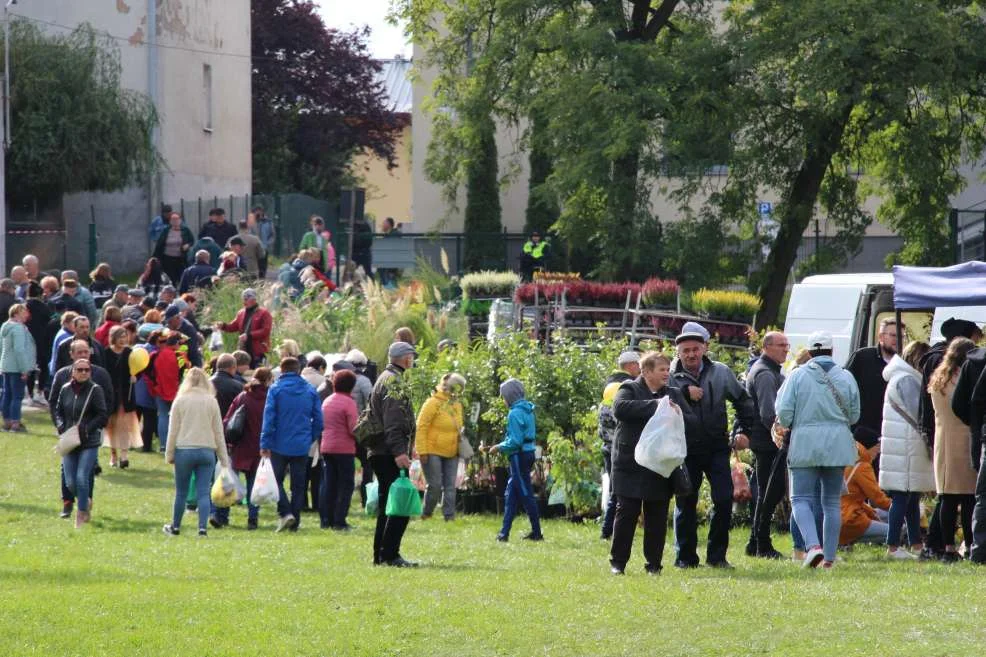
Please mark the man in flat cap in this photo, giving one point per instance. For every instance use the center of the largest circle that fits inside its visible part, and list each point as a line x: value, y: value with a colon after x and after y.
x: 707, y: 385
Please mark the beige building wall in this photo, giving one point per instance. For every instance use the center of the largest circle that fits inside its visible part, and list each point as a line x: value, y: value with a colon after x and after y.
x: 388, y: 191
x: 202, y: 159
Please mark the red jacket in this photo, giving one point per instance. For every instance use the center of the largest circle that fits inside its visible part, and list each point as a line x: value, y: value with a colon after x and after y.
x: 102, y: 334
x: 246, y: 453
x: 167, y: 376
x: 258, y: 340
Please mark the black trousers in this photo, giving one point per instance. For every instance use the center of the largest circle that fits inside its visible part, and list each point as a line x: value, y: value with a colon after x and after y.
x: 949, y: 517
x: 148, y: 427
x: 935, y: 538
x: 978, y: 553
x: 655, y: 530
x: 390, y: 529
x: 714, y: 466
x: 173, y: 267
x: 771, y: 485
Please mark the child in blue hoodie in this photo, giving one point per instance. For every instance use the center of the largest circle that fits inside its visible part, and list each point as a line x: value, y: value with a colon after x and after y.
x: 518, y: 447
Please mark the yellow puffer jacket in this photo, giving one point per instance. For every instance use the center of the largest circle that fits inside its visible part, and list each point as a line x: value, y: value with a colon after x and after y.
x: 439, y: 422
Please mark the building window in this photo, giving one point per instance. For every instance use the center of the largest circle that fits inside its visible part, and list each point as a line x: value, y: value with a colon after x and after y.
x: 207, y: 90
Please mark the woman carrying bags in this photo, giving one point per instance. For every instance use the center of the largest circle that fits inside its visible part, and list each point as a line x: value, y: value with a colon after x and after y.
x: 437, y: 441
x: 122, y: 427
x: 81, y: 403
x: 246, y: 452
x: 195, y: 440
x: 636, y: 488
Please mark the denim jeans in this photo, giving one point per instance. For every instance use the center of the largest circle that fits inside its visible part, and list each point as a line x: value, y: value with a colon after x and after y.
x: 875, y: 534
x: 202, y: 462
x: 13, y: 395
x: 163, y: 417
x: 520, y: 491
x: 804, y: 492
x: 904, y: 507
x: 77, y: 467
x: 69, y: 496
x: 297, y: 467
x: 253, y: 512
x: 796, y: 537
x: 440, y: 474
x: 336, y: 491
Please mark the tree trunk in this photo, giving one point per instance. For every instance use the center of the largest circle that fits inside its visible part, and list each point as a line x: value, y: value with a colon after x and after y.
x: 798, y: 209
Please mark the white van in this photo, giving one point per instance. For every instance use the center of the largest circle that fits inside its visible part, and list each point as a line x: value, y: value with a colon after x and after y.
x: 851, y: 307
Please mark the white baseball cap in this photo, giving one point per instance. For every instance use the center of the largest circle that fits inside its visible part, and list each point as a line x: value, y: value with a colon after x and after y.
x: 819, y: 340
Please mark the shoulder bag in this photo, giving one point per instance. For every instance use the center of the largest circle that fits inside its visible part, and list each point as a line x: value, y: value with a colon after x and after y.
x: 71, y: 438
x: 236, y: 425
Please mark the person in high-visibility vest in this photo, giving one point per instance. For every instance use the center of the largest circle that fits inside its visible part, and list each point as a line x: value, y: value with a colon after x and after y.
x: 534, y: 256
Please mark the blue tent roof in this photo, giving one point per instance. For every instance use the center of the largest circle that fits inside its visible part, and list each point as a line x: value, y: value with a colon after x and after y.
x: 917, y: 288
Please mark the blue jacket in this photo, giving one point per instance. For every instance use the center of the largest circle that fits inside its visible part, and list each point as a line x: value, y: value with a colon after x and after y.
x: 520, y: 429
x: 820, y: 434
x: 292, y: 416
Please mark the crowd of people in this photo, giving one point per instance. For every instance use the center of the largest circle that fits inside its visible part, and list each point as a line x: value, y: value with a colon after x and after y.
x: 855, y: 448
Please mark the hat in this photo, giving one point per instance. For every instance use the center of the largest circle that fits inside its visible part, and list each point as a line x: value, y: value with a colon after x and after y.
x: 342, y: 365
x: 121, y: 288
x: 169, y: 288
x: 512, y: 391
x: 628, y: 357
x: 248, y: 293
x: 692, y: 331
x: 356, y: 357
x: 400, y: 349
x: 182, y: 305
x: 237, y: 241
x: 172, y: 311
x: 136, y: 292
x: 819, y: 340
x: 953, y: 328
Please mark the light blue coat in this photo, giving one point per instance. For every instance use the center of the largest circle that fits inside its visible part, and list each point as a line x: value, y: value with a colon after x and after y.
x: 17, y: 350
x: 820, y: 433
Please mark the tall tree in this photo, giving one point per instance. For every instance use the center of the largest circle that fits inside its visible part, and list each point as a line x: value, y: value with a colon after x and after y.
x: 595, y: 73
x: 74, y: 128
x: 823, y: 88
x: 316, y: 100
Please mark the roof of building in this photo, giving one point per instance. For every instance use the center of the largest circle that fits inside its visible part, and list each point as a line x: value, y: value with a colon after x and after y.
x: 395, y: 77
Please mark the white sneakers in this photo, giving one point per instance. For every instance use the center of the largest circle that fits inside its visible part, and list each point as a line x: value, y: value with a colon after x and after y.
x: 813, y: 557
x: 286, y: 522
x: 902, y: 555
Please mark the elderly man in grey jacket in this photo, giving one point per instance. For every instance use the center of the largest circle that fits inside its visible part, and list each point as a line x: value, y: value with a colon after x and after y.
x: 707, y: 386
x: 390, y: 452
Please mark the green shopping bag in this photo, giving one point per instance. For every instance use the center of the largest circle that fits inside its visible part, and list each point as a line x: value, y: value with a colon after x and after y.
x: 403, y: 498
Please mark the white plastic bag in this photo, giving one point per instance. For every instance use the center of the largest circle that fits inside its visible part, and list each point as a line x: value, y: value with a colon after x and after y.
x: 264, y: 485
x: 662, y: 446
x: 460, y: 474
x: 216, y: 341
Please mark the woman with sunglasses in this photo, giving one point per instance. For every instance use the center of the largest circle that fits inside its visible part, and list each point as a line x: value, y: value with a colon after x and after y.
x: 81, y: 402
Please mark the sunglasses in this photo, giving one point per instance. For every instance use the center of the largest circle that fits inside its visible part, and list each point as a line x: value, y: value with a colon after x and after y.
x: 82, y: 369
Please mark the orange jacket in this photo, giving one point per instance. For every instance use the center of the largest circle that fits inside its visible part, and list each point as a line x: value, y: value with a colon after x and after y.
x: 856, y: 512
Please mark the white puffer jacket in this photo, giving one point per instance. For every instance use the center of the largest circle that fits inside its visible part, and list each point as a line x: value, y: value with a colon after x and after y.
x: 904, y: 461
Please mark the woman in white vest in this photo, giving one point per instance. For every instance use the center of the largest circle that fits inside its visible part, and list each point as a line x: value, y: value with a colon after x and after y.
x: 905, y: 464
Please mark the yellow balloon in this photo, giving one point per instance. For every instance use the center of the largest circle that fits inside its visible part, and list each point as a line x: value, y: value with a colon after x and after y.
x: 138, y: 361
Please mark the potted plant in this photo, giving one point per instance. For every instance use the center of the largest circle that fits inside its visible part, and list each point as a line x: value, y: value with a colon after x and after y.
x: 725, y: 305
x: 660, y: 294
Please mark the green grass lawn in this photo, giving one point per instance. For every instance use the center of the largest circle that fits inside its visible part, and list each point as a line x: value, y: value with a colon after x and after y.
x: 121, y: 587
